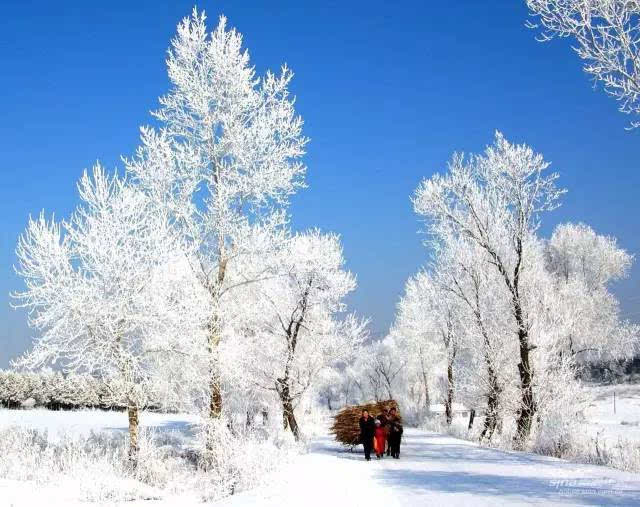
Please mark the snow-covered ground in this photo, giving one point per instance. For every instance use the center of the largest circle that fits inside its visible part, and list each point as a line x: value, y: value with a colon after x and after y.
x: 82, y: 422
x: 440, y: 470
x: 612, y: 426
x: 433, y: 470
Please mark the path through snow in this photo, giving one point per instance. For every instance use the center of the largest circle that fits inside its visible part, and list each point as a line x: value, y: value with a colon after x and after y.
x: 436, y: 470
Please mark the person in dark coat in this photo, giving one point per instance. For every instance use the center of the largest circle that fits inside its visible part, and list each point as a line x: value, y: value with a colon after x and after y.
x: 395, y: 433
x: 367, y: 430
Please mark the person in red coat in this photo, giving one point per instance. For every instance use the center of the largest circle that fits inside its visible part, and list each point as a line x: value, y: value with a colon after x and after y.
x: 379, y: 439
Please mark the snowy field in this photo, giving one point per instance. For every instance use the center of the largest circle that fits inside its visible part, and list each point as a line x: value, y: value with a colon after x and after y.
x: 611, y: 427
x: 57, y: 423
x: 433, y: 470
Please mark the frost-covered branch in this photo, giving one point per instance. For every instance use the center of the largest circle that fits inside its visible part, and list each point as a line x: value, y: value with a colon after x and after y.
x: 606, y: 35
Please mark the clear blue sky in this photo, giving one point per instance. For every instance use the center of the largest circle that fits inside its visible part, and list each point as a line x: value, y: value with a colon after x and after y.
x: 388, y: 90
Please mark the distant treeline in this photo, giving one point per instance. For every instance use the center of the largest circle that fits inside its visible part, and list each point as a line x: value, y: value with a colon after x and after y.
x: 627, y: 370
x: 56, y: 391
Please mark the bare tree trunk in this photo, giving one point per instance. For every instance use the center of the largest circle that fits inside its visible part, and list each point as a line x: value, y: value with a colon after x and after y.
x: 283, y: 387
x: 132, y: 412
x: 215, y: 400
x: 472, y: 416
x: 293, y: 424
x: 527, y: 406
x: 215, y: 403
x: 215, y: 391
x: 215, y: 335
x: 448, y: 404
x: 491, y: 417
x: 288, y: 416
x: 527, y: 409
x: 427, y: 399
x: 450, y: 347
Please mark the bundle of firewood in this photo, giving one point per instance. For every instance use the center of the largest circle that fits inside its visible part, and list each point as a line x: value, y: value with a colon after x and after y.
x: 346, y: 428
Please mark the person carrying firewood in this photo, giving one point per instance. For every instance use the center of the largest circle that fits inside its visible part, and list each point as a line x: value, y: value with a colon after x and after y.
x: 367, y: 430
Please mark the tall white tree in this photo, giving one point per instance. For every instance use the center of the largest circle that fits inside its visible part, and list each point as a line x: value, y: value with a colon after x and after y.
x: 91, y: 291
x: 430, y: 315
x: 415, y: 324
x: 225, y: 162
x: 584, y: 264
x: 297, y: 328
x: 465, y: 271
x: 495, y: 200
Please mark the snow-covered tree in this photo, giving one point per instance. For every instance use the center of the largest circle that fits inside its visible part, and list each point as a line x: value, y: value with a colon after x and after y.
x: 298, y: 329
x: 422, y: 346
x: 430, y: 317
x: 225, y: 162
x: 12, y: 388
x: 91, y: 291
x: 333, y: 384
x: 387, y: 364
x: 464, y: 269
x: 495, y: 201
x: 584, y: 264
x: 546, y: 303
x: 606, y: 35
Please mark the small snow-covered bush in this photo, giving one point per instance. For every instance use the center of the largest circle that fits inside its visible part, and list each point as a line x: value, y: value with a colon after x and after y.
x: 97, y: 460
x: 623, y: 455
x: 237, y: 461
x: 97, y: 468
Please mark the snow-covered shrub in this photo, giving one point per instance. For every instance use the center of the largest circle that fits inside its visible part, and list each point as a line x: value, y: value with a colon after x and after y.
x: 239, y: 460
x: 92, y: 465
x: 96, y: 467
x: 623, y: 455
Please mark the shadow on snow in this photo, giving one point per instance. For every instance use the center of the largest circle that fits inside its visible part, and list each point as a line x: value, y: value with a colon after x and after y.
x: 502, y: 487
